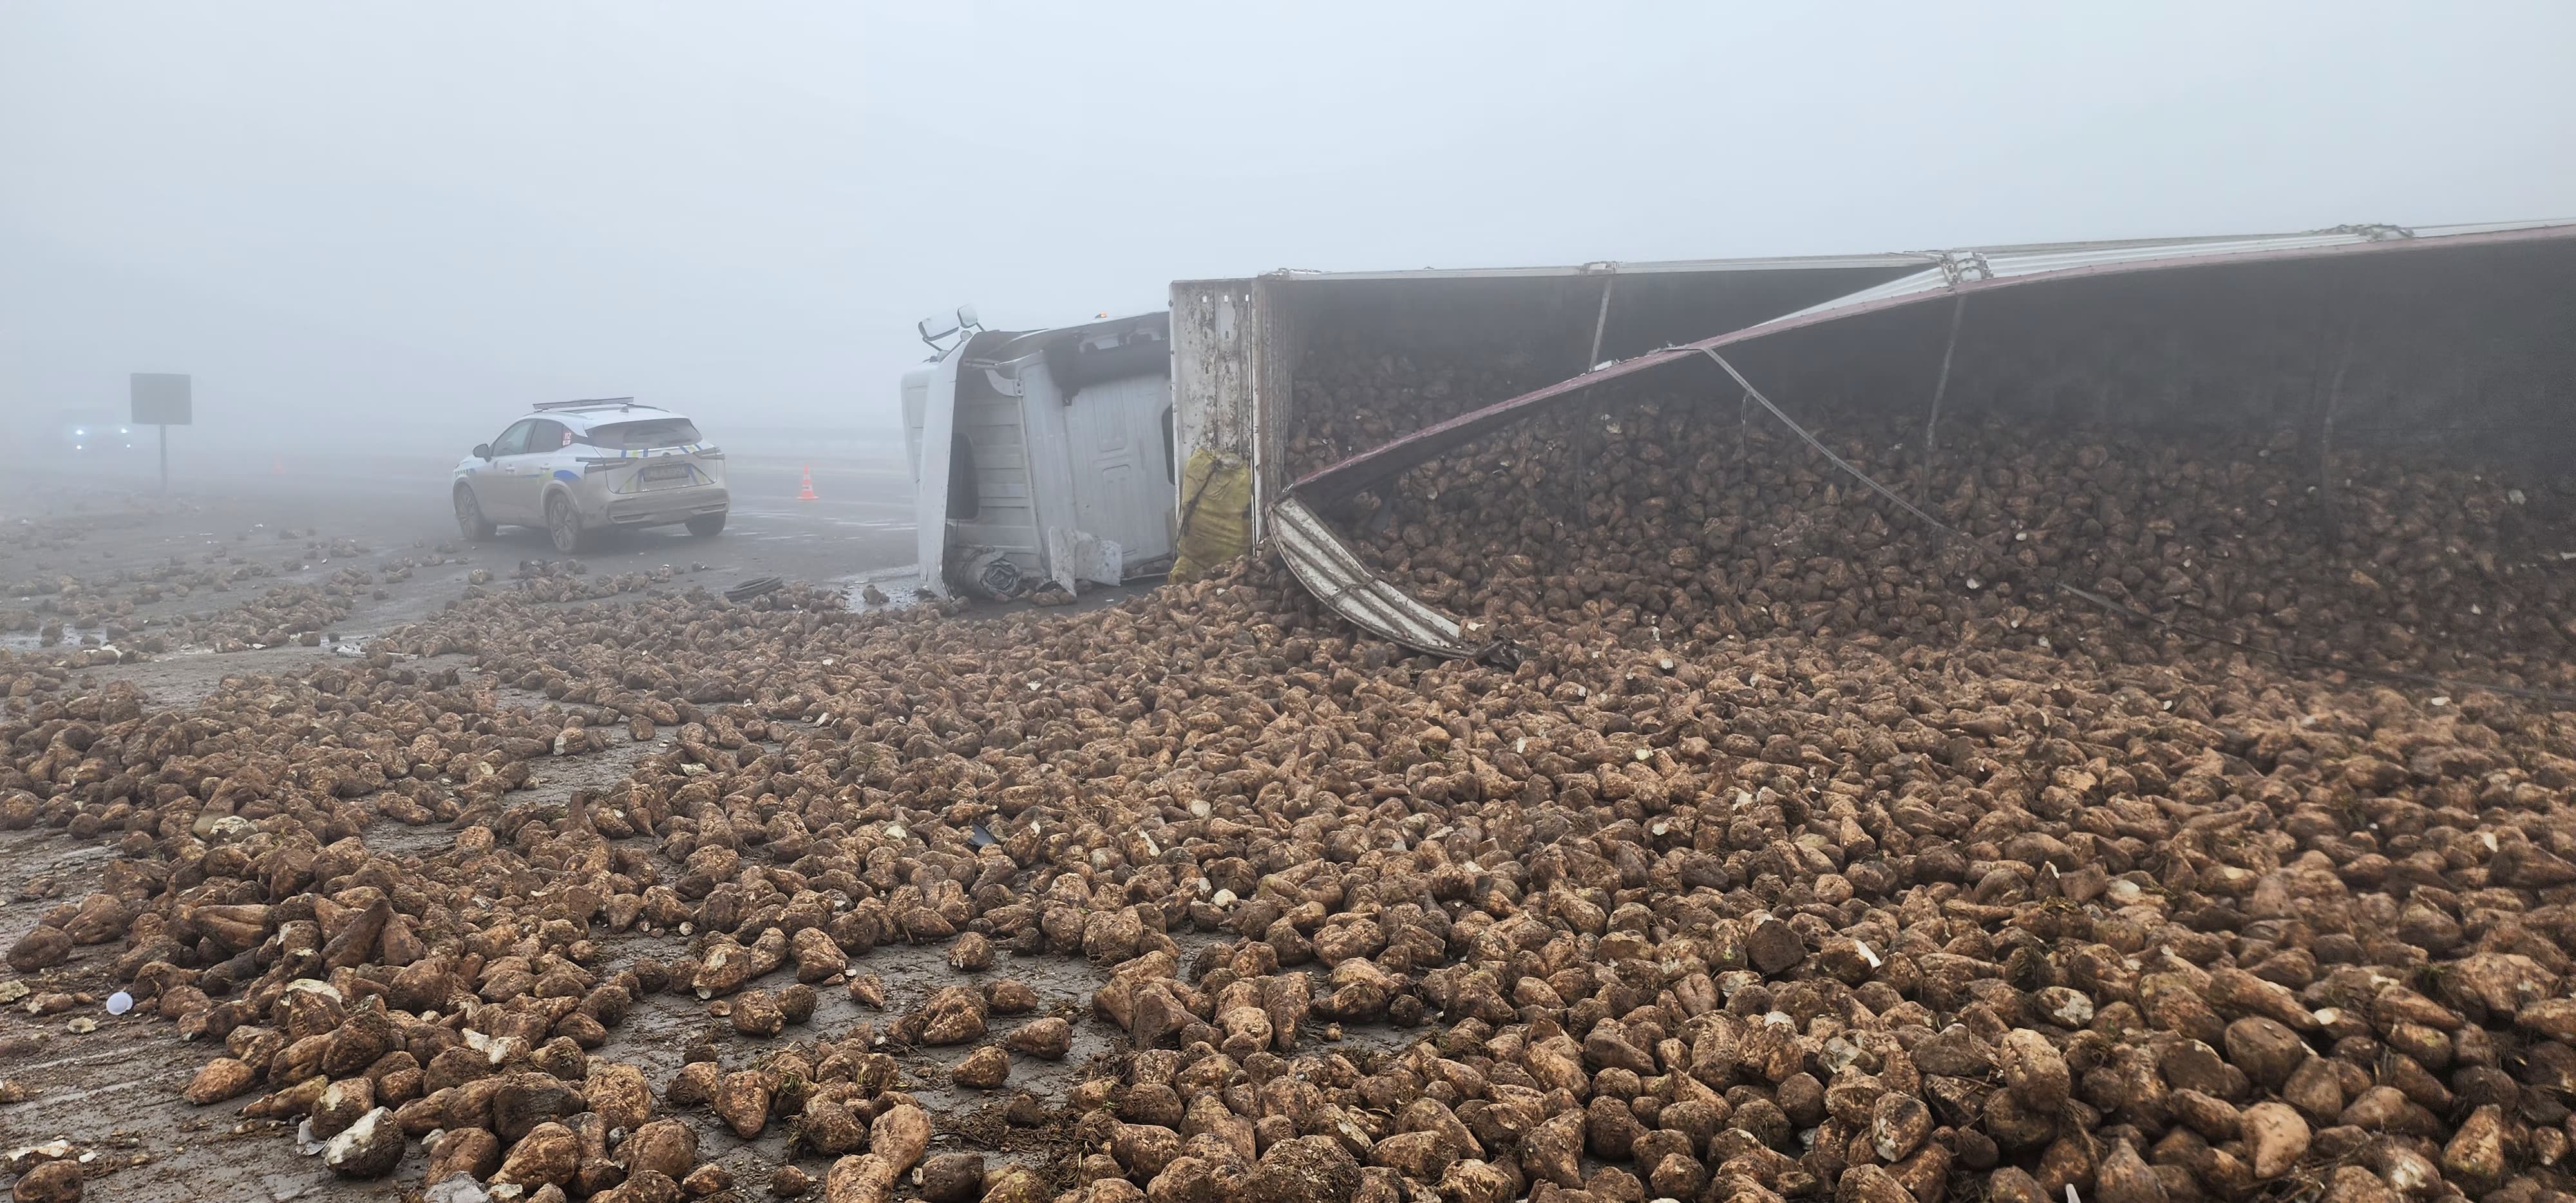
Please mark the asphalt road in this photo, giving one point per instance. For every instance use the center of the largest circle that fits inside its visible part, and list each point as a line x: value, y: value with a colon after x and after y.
x: 859, y: 527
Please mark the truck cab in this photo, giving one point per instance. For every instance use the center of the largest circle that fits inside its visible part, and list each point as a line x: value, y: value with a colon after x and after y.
x: 1044, y: 455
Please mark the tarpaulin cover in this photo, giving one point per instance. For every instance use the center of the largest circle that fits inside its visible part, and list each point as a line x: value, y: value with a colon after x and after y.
x: 1216, y: 513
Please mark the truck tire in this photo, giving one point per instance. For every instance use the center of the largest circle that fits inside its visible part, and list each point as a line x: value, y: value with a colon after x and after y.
x: 706, y: 526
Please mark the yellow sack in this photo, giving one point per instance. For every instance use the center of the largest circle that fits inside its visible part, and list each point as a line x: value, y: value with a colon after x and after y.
x: 1216, y: 514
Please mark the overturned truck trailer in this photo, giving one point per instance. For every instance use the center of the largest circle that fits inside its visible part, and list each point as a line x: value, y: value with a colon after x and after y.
x: 2454, y: 341
x: 1290, y: 371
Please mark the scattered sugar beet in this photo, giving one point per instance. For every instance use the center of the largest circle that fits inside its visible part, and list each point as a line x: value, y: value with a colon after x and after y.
x: 1800, y: 857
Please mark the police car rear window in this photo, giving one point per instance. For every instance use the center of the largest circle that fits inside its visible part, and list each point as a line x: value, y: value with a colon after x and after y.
x: 641, y: 436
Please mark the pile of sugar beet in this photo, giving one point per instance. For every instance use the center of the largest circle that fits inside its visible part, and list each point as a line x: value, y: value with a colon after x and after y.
x: 1801, y: 856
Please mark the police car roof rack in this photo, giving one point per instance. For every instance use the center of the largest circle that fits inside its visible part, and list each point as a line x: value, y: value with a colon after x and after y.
x: 588, y: 403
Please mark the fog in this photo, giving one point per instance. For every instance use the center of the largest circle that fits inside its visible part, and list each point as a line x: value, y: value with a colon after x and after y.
x: 404, y: 224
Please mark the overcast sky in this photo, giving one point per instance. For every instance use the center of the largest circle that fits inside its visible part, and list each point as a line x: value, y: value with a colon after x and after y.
x: 434, y: 213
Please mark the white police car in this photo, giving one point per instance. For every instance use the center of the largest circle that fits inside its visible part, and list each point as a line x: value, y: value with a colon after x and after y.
x: 573, y: 468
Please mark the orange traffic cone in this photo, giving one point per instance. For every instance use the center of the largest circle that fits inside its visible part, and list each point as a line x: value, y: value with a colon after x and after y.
x: 806, y: 493
x: 277, y: 465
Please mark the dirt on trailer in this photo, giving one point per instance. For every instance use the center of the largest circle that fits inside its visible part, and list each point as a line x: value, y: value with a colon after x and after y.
x: 1795, y: 857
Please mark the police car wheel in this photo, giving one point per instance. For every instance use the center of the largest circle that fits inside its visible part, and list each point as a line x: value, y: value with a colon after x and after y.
x: 469, y: 517
x: 563, y: 524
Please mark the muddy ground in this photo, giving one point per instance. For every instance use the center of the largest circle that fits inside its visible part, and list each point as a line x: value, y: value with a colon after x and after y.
x: 113, y: 1088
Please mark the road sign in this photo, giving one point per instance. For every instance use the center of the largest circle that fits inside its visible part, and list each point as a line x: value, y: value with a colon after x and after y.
x: 160, y: 399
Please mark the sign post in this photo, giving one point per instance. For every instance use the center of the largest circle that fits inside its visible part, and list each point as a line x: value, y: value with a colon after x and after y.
x: 161, y: 399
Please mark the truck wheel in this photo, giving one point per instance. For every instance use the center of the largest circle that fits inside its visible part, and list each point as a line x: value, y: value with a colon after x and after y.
x: 563, y: 524
x: 706, y: 526
x: 470, y: 521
